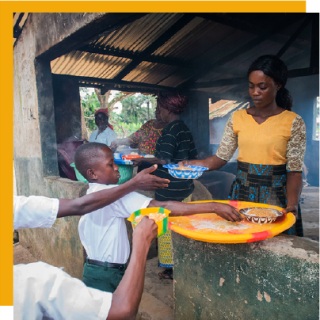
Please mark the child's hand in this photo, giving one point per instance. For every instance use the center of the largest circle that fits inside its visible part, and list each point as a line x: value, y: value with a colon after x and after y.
x: 145, y: 232
x: 227, y: 212
x: 145, y: 181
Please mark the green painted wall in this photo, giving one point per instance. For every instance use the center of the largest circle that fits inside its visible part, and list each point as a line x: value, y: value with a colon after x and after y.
x: 273, y: 279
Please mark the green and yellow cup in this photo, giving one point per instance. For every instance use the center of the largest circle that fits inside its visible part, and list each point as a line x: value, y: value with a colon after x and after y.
x: 162, y: 225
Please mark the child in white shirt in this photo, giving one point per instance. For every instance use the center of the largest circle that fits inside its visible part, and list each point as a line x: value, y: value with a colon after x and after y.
x: 103, y: 232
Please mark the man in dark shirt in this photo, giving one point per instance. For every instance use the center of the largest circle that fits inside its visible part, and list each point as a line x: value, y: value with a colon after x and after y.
x: 175, y: 144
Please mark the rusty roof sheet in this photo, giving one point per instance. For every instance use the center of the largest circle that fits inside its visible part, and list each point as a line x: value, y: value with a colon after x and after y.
x: 199, y: 44
x: 78, y: 63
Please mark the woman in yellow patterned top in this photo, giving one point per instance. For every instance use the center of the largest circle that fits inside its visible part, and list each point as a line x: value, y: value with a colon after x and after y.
x: 271, y: 141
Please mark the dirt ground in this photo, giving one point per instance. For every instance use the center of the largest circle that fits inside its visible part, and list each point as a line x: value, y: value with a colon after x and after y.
x: 157, y: 300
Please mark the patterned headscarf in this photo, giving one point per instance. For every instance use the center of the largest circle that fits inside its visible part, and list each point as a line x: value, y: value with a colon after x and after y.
x: 106, y: 112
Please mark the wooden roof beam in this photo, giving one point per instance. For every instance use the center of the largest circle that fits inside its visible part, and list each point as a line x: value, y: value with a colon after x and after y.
x: 182, y: 22
x: 244, y: 80
x: 115, y: 84
x: 133, y: 56
x: 304, y: 24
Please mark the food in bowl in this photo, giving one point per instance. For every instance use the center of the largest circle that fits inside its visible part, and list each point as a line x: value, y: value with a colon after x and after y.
x: 260, y: 215
x: 154, y: 216
x: 262, y: 212
x: 184, y: 168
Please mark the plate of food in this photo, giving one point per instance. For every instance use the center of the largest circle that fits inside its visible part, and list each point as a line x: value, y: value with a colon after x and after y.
x: 261, y: 215
x: 185, y: 172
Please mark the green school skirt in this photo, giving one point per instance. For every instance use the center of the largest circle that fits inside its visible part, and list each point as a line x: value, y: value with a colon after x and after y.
x: 102, y: 278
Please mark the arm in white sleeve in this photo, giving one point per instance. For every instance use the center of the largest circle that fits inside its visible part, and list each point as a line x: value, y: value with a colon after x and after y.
x: 41, y: 290
x: 34, y: 212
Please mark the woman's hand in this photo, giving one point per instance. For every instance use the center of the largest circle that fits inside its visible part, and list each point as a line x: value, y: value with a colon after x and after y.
x: 293, y: 208
x: 137, y: 161
x: 227, y: 212
x: 188, y: 163
x: 114, y: 145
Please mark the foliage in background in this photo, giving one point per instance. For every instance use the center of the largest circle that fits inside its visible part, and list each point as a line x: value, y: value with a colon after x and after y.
x: 132, y: 115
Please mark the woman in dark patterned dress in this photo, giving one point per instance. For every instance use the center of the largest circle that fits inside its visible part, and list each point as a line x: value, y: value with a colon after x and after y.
x: 174, y: 145
x: 145, y: 138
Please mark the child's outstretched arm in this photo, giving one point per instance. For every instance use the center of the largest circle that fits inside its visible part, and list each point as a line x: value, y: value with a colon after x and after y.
x: 94, y: 201
x: 127, y: 297
x: 225, y: 211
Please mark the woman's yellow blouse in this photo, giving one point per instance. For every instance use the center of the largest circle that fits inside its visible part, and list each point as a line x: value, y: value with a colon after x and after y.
x: 281, y: 139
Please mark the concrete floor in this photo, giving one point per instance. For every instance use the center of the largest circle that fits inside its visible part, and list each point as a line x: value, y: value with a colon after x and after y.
x: 309, y: 203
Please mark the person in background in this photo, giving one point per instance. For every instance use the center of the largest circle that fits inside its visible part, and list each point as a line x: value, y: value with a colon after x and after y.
x: 104, y: 133
x: 174, y: 145
x: 42, y: 291
x: 271, y: 141
x: 145, y: 138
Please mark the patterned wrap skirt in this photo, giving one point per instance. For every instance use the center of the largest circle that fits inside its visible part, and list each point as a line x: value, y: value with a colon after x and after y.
x: 164, y: 246
x: 264, y: 184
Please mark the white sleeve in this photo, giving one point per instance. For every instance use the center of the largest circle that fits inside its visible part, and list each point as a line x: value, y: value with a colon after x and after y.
x: 34, y: 212
x: 111, y: 137
x: 130, y: 203
x: 92, y: 136
x: 41, y: 290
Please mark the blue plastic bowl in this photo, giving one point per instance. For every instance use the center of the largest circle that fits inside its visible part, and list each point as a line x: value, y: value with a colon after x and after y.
x: 185, y: 174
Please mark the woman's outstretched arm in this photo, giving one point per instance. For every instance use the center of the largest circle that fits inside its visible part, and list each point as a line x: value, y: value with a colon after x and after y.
x: 227, y: 148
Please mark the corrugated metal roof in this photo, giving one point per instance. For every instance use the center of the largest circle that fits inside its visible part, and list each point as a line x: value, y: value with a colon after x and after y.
x: 19, y: 19
x: 79, y: 63
x: 137, y: 36
x: 199, y: 44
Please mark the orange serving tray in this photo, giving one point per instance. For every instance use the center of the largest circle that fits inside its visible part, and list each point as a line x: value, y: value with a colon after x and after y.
x: 209, y: 227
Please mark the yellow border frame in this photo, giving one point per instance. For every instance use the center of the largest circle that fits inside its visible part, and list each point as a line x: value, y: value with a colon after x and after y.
x: 6, y: 62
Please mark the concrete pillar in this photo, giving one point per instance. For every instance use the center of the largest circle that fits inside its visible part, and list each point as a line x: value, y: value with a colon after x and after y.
x: 277, y: 278
x: 67, y: 109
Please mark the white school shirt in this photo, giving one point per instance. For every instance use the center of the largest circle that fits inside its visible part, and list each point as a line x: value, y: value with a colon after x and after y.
x: 42, y: 291
x: 103, y: 232
x: 106, y: 137
x: 34, y: 212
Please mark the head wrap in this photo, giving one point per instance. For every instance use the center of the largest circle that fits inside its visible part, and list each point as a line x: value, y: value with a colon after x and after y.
x: 106, y: 112
x: 173, y: 102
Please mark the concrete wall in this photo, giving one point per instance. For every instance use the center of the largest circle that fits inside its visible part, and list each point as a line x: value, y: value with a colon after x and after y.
x: 277, y: 278
x: 60, y: 245
x: 67, y: 110
x: 304, y: 91
x: 196, y: 117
